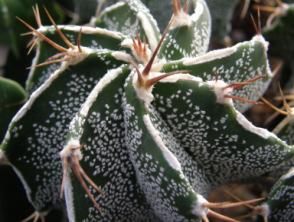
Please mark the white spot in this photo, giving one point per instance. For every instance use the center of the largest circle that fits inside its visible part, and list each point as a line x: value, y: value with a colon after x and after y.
x: 259, y: 38
x: 263, y: 210
x: 179, y: 20
x: 128, y: 43
x: 184, y: 19
x: 37, y: 93
x: 221, y: 91
x: 199, y: 208
x: 73, y: 147
x: 143, y: 93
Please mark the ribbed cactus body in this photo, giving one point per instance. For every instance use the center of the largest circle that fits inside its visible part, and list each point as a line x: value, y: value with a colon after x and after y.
x: 132, y: 125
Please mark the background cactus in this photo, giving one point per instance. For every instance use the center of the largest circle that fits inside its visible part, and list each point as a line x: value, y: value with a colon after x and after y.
x: 127, y: 123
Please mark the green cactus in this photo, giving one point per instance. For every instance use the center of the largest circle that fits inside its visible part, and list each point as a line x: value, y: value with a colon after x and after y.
x: 12, y: 98
x: 139, y: 130
x: 279, y: 203
x: 281, y: 29
x: 222, y: 15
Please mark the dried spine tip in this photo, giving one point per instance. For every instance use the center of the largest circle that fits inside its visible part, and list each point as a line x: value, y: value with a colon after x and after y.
x: 287, y: 111
x: 36, y: 216
x: 36, y: 12
x: 257, y: 26
x: 71, y: 156
x: 274, y: 11
x: 42, y: 36
x: 204, y: 208
x: 177, y: 7
x: 223, y: 90
x: 72, y: 55
x: 239, y: 85
x: 64, y: 38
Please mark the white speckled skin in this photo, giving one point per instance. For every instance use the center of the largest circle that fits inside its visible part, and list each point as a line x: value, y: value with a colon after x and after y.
x: 48, y: 131
x: 156, y: 152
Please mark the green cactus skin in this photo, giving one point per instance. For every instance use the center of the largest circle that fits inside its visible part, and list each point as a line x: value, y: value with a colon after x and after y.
x: 158, y: 170
x: 156, y: 146
x: 189, y: 34
x: 152, y: 146
x: 46, y: 115
x: 157, y: 133
x: 222, y: 14
x: 239, y: 63
x: 279, y: 206
x: 130, y: 18
x: 285, y: 131
x: 12, y: 98
x: 99, y: 127
x: 94, y: 38
x: 212, y: 128
x: 282, y: 31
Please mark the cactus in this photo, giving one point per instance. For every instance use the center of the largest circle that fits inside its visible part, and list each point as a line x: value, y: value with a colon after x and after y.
x: 222, y: 14
x: 128, y: 124
x: 12, y: 97
x: 281, y: 29
x: 279, y: 204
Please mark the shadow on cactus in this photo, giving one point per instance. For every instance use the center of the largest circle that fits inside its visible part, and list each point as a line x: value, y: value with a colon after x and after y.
x: 131, y: 125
